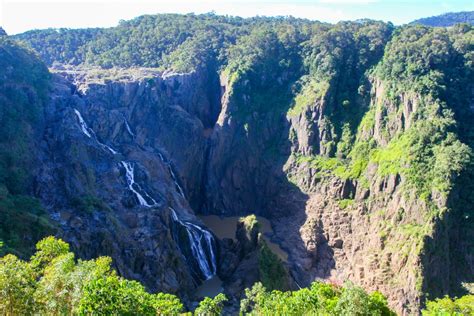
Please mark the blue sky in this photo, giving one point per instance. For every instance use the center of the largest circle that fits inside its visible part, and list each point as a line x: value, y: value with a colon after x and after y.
x: 20, y: 15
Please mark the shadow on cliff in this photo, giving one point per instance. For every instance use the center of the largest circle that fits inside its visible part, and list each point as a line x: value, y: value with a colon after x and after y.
x: 245, y: 174
x: 448, y: 257
x: 449, y: 254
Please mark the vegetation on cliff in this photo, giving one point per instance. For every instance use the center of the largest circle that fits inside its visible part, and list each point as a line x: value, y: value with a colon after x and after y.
x: 415, y: 129
x: 24, y: 83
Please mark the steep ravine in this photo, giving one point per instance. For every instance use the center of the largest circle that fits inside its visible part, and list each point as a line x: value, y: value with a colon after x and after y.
x: 113, y: 144
x: 355, y: 140
x: 331, y: 228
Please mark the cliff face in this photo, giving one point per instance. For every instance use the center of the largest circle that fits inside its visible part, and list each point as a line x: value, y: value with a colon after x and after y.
x: 113, y: 159
x: 359, y: 172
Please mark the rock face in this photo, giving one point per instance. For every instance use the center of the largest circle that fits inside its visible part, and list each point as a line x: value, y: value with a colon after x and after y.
x: 113, y: 158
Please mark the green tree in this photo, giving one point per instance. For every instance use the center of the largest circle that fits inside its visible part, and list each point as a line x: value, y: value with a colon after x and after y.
x: 16, y: 286
x: 453, y: 307
x: 167, y: 304
x: 114, y: 295
x: 273, y: 273
x: 46, y: 250
x: 355, y: 301
x: 211, y: 306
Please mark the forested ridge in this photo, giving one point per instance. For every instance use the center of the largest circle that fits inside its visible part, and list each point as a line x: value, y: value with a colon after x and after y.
x: 447, y: 19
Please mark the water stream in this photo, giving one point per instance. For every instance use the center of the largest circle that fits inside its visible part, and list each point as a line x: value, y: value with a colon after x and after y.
x: 199, y: 246
x: 173, y: 176
x: 135, y: 187
x: 89, y: 132
x: 202, y: 246
x: 129, y: 130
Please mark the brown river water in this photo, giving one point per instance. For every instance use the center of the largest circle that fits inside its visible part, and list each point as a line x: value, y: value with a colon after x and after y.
x: 225, y: 227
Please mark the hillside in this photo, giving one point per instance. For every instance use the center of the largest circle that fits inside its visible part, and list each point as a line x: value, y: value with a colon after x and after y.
x: 447, y: 19
x: 24, y: 82
x: 354, y: 140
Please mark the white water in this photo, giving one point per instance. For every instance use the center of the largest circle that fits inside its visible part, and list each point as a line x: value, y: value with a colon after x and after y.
x: 129, y: 130
x: 129, y: 168
x: 90, y: 133
x: 199, y: 246
x: 178, y: 187
x: 108, y: 147
x: 83, y: 124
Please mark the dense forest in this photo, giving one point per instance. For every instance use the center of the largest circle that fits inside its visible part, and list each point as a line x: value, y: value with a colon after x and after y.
x: 388, y: 114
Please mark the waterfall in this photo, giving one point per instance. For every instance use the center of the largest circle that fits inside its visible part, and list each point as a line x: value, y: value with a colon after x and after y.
x: 135, y: 187
x: 173, y: 176
x: 129, y: 130
x: 90, y: 133
x: 84, y: 127
x: 202, y: 245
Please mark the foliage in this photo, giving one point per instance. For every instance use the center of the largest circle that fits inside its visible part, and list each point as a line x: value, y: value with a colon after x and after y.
x: 250, y: 223
x: 24, y: 82
x: 343, y: 204
x: 319, y: 299
x: 420, y: 59
x: 16, y: 286
x: 54, y: 283
x: 211, y: 306
x: 48, y: 249
x: 66, y: 46
x: 89, y: 203
x: 112, y: 295
x: 273, y: 274
x: 447, y: 306
x: 433, y: 148
x: 355, y: 301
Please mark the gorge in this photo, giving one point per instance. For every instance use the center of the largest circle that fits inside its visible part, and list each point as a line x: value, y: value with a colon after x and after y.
x: 353, y: 140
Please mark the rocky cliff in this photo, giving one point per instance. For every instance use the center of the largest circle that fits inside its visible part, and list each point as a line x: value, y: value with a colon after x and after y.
x: 104, y: 171
x: 346, y: 168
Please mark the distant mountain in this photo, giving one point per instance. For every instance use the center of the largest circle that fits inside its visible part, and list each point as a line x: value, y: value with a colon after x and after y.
x: 447, y: 19
x: 2, y: 31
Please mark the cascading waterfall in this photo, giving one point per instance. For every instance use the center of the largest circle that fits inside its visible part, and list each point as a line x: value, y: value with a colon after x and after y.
x: 202, y: 246
x: 135, y: 187
x: 173, y: 176
x: 85, y: 129
x: 90, y: 133
x: 127, y: 126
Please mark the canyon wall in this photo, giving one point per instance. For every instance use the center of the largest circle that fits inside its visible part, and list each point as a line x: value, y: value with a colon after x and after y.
x: 354, y: 141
